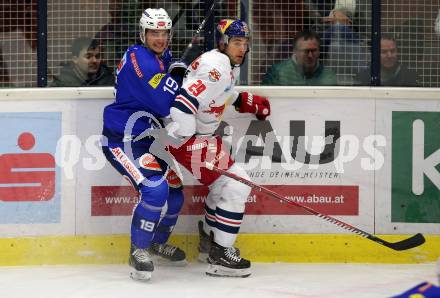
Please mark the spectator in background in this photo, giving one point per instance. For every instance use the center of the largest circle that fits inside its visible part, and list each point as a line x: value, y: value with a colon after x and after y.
x: 329, y: 17
x: 392, y: 72
x: 342, y: 48
x: 85, y: 68
x: 319, y: 12
x: 120, y: 32
x: 357, y: 12
x: 274, y: 24
x: 21, y: 16
x: 5, y: 80
x: 304, y: 67
x: 437, y: 24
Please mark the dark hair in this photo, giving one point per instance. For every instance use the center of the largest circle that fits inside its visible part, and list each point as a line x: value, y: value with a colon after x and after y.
x: 83, y: 43
x: 306, y: 35
x: 388, y: 36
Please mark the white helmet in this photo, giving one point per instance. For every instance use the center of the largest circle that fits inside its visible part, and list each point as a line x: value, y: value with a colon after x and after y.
x: 156, y: 19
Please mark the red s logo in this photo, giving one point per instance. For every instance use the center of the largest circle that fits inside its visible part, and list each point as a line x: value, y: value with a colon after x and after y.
x: 27, y: 176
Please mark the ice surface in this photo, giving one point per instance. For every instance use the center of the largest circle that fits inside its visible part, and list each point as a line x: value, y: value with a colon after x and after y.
x: 267, y: 280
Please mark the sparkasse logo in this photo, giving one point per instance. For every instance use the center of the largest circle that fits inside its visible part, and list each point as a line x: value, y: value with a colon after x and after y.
x: 30, y: 183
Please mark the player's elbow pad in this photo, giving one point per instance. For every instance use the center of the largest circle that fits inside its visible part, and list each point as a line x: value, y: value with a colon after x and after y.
x: 184, y: 125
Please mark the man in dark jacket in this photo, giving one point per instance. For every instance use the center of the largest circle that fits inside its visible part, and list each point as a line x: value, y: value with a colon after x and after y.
x: 392, y: 72
x: 86, y: 67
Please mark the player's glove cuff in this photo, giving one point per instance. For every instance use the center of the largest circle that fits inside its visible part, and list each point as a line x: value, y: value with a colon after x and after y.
x: 177, y: 69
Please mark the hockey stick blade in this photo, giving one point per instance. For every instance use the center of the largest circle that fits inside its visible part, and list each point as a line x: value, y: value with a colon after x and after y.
x: 405, y: 244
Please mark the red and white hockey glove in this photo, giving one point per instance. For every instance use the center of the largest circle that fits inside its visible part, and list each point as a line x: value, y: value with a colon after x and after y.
x: 249, y: 103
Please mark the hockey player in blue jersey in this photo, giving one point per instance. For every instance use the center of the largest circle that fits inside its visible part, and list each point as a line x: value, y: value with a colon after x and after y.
x: 422, y: 290
x: 144, y: 93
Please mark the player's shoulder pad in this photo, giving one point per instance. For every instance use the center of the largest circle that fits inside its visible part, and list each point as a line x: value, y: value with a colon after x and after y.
x: 213, y: 67
x: 144, y: 61
x: 215, y: 59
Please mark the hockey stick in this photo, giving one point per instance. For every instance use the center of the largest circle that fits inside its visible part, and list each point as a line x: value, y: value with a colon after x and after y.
x: 179, y: 14
x: 181, y: 11
x: 405, y: 244
x: 196, y: 34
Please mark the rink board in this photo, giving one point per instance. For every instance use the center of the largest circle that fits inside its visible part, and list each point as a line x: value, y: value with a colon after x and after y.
x: 362, y: 173
x: 296, y: 248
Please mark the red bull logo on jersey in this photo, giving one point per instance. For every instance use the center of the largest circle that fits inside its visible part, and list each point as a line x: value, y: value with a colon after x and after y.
x: 214, y: 75
x: 217, y: 111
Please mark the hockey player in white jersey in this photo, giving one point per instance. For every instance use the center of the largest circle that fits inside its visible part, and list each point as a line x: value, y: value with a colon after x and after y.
x: 207, y: 90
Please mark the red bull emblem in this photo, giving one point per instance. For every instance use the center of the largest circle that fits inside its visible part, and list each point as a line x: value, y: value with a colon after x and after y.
x: 224, y: 24
x: 161, y: 24
x: 214, y: 75
x: 217, y: 111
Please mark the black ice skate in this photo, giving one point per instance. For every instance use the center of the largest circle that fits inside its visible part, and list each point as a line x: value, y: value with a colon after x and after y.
x: 223, y: 261
x: 140, y: 260
x: 205, y: 244
x: 166, y: 254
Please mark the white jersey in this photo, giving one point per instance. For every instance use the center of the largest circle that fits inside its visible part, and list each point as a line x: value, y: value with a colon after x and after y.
x: 207, y: 90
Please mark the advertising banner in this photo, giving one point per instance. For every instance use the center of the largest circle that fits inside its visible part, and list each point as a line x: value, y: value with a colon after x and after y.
x: 416, y: 167
x: 30, y: 184
x: 322, y: 155
x: 371, y: 161
x: 331, y: 200
x: 407, y: 187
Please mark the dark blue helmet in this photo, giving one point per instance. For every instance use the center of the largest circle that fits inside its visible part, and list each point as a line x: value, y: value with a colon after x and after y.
x: 228, y: 28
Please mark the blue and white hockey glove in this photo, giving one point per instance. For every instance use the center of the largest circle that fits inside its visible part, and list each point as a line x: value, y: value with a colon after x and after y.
x: 177, y: 70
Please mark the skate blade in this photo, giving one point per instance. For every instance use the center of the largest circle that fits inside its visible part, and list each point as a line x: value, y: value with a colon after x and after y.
x: 140, y: 275
x: 221, y: 271
x: 202, y: 257
x: 157, y: 260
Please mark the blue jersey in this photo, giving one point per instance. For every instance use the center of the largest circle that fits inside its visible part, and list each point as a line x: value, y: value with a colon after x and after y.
x: 425, y: 289
x: 142, y: 84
